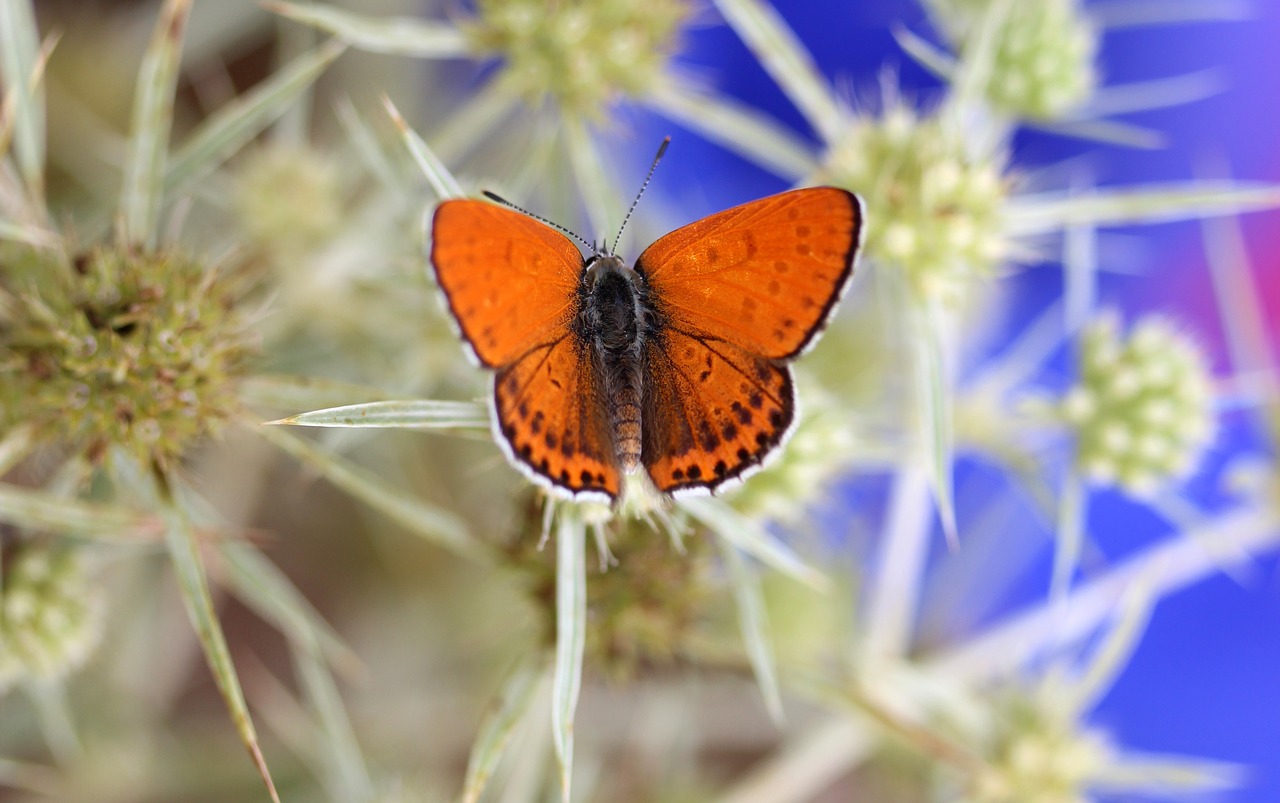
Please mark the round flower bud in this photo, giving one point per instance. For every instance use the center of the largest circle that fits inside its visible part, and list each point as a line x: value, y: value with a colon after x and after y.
x: 1149, y: 414
x: 935, y: 211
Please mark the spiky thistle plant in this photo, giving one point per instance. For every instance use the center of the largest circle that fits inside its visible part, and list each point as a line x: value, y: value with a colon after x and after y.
x: 323, y: 242
x: 120, y: 357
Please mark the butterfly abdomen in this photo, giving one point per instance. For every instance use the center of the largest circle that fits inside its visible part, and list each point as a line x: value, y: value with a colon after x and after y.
x: 613, y: 321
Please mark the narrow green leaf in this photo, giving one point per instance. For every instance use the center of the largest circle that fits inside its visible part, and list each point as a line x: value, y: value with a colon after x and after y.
x: 231, y: 127
x: 1080, y: 266
x: 1239, y: 303
x: 39, y: 510
x: 483, y: 112
x: 504, y: 714
x: 403, y: 36
x: 26, y: 233
x: 184, y: 551
x: 49, y: 698
x: 937, y: 61
x: 1165, y: 777
x: 416, y: 413
x: 442, y: 181
x: 1038, y: 214
x: 896, y: 583
x: 439, y: 526
x: 933, y: 390
x: 1072, y: 510
x: 571, y: 637
x: 1111, y: 656
x: 1105, y: 132
x: 967, y: 101
x: 1145, y: 13
x: 368, y: 145
x: 786, y: 60
x: 1161, y: 93
x: 598, y: 194
x: 344, y: 765
x: 749, y: 536
x: 152, y: 122
x: 19, y: 49
x: 753, y: 620
x: 736, y: 126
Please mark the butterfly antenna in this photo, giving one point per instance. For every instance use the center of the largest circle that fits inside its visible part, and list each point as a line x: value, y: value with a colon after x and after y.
x: 661, y: 150
x: 493, y: 196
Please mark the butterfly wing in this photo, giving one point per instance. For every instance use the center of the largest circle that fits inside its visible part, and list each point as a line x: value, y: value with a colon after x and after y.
x: 737, y: 295
x: 713, y: 410
x: 510, y: 281
x: 765, y: 275
x: 512, y: 286
x: 550, y: 415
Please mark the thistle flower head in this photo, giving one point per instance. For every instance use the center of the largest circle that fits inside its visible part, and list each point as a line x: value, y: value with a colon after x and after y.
x: 1044, y: 59
x: 584, y: 54
x: 117, y: 347
x: 935, y: 211
x: 288, y: 200
x: 1038, y: 753
x: 50, y: 614
x: 1044, y: 53
x: 1141, y: 408
x: 642, y: 614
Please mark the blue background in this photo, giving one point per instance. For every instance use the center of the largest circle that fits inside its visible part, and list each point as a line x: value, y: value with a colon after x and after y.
x: 1205, y: 680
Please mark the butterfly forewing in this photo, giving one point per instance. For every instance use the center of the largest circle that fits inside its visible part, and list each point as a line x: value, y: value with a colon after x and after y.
x: 550, y: 412
x: 765, y: 275
x: 510, y: 281
x: 713, y: 410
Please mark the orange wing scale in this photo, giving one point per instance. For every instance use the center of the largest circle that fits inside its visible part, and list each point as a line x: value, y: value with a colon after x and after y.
x: 764, y: 275
x: 713, y: 410
x: 510, y: 281
x: 549, y: 410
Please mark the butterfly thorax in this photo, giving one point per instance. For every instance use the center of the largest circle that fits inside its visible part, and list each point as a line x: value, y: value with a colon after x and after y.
x: 614, y: 320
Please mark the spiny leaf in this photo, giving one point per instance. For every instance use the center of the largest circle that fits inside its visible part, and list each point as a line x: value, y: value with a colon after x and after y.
x: 184, y: 551
x: 152, y: 121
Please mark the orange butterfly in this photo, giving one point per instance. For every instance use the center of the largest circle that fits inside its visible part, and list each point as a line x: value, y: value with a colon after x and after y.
x: 678, y: 364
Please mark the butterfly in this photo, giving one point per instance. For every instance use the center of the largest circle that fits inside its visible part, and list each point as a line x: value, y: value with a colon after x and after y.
x: 678, y: 364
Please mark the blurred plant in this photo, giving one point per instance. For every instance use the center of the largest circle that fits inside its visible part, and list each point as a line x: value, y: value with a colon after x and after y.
x: 151, y: 346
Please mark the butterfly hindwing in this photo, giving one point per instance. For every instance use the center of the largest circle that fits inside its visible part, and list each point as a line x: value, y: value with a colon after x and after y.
x: 712, y: 412
x: 765, y: 275
x: 510, y: 281
x: 550, y: 413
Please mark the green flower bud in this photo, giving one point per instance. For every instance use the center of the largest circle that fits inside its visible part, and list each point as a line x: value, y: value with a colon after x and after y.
x: 1044, y: 60
x: 50, y: 614
x: 584, y: 54
x: 1142, y: 407
x: 288, y: 201
x: 934, y: 210
x: 1037, y: 754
